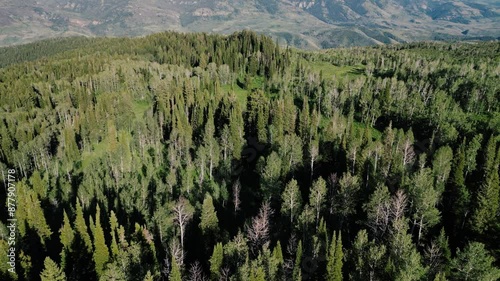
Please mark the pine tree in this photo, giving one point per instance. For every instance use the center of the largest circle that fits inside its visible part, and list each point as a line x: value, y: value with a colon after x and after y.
x: 209, y: 221
x: 101, y: 252
x: 113, y: 222
x: 440, y: 277
x: 148, y: 276
x: 38, y: 184
x: 297, y: 268
x: 257, y: 274
x: 270, y: 175
x: 368, y: 258
x: 66, y: 232
x: 175, y: 272
x: 441, y: 166
x: 404, y: 261
x: 81, y: 227
x: 474, y: 263
x: 460, y: 197
x: 331, y: 273
x: 33, y: 215
x: 486, y: 213
x: 471, y: 154
x: 276, y: 263
x: 216, y: 261
x: 66, y: 237
x: 339, y: 256
x: 52, y: 272
x: 304, y: 122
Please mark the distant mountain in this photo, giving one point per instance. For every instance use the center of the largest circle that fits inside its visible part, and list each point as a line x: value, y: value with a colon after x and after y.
x: 302, y: 23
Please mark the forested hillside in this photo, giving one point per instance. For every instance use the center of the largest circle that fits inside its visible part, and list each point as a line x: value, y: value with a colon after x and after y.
x: 209, y: 157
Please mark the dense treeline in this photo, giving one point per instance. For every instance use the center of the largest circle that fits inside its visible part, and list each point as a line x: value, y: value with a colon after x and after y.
x: 196, y: 157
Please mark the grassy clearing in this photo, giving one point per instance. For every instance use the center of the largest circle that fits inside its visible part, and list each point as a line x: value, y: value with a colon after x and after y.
x: 241, y: 94
x: 359, y: 128
x: 330, y: 70
x: 257, y: 82
x: 98, y: 151
x: 139, y: 107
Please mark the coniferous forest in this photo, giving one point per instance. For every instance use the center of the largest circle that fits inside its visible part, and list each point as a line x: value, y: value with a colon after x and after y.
x: 208, y: 157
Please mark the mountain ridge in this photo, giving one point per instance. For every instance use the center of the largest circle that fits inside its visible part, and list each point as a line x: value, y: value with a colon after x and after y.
x: 302, y: 23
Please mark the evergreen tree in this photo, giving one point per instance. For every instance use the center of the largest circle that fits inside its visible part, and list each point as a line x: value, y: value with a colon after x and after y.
x: 258, y: 274
x: 297, y: 268
x: 81, y: 227
x: 276, y: 263
x: 113, y: 222
x: 270, y: 175
x: 441, y: 166
x: 339, y: 257
x: 486, y: 212
x: 459, y: 194
x: 148, y: 276
x: 405, y: 260
x: 216, y: 261
x: 471, y: 154
x: 368, y: 258
x: 335, y: 259
x: 52, y: 272
x: 175, y: 272
x: 101, y: 252
x: 209, y: 221
x: 66, y: 237
x: 474, y: 263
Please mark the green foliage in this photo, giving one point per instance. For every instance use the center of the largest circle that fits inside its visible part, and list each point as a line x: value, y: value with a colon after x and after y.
x: 33, y: 215
x: 335, y: 259
x: 175, y: 272
x: 81, y: 227
x: 292, y: 200
x: 160, y: 131
x: 52, y: 272
x: 276, y: 262
x: 297, y: 267
x: 474, y: 263
x: 440, y: 277
x: 66, y: 236
x: 257, y: 274
x: 424, y: 200
x: 216, y: 261
x: 367, y: 257
x: 317, y: 197
x: 460, y: 195
x: 101, y: 252
x: 486, y: 213
x: 441, y: 166
x: 405, y: 261
x: 339, y: 259
x: 209, y: 221
x: 270, y: 175
x: 66, y: 233
x: 347, y: 195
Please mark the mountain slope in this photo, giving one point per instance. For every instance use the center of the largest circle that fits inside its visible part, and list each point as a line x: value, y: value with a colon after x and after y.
x: 303, y: 23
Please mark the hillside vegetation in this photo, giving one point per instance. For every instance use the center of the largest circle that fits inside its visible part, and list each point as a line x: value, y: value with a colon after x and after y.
x: 195, y: 157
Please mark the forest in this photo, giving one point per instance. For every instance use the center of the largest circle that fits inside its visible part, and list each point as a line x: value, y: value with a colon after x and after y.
x: 207, y: 157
